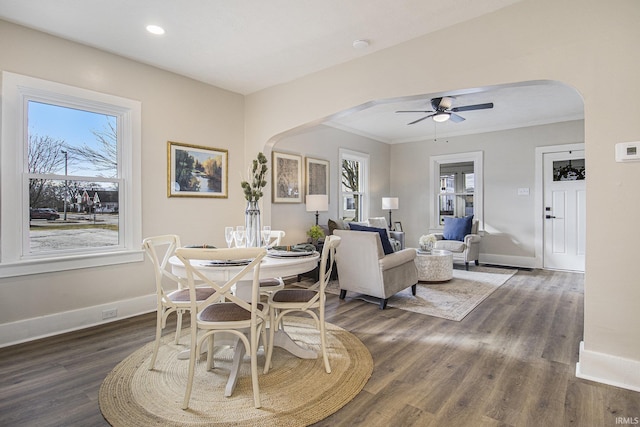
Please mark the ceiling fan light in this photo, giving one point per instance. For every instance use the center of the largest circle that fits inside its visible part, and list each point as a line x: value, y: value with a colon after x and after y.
x: 441, y: 117
x: 155, y: 29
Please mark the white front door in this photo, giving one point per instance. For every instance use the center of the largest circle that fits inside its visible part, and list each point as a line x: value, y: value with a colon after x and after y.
x: 564, y: 210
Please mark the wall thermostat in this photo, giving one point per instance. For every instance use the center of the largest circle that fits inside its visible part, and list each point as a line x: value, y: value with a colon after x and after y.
x: 628, y: 151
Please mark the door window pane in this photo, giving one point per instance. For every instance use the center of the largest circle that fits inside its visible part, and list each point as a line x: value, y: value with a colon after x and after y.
x: 569, y: 170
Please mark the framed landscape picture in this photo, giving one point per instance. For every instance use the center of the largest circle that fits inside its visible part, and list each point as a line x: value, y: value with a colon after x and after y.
x: 196, y: 171
x: 317, y: 176
x: 287, y: 178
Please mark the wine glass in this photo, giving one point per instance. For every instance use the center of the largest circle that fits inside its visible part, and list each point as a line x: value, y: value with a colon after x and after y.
x: 228, y: 235
x: 266, y: 234
x: 240, y: 236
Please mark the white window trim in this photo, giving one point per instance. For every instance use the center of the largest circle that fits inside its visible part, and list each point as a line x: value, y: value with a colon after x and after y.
x: 16, y: 91
x: 345, y: 154
x: 478, y: 198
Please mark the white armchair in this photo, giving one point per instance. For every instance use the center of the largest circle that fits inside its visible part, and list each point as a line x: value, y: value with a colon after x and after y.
x: 364, y: 268
x: 467, y: 250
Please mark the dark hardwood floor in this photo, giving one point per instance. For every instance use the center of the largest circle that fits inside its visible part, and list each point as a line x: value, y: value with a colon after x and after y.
x: 510, y: 362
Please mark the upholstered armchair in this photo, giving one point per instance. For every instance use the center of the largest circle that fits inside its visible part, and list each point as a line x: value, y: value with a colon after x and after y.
x: 461, y: 239
x: 364, y: 267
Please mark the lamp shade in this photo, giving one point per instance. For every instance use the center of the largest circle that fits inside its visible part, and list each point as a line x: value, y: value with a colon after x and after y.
x: 317, y: 202
x: 389, y: 203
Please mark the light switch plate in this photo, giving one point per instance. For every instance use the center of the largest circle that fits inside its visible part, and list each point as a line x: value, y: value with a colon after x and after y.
x: 523, y: 191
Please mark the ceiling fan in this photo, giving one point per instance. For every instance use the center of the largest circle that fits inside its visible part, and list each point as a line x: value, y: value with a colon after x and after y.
x: 442, y: 110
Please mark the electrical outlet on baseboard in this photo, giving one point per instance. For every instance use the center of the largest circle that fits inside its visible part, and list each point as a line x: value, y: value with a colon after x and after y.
x: 108, y: 314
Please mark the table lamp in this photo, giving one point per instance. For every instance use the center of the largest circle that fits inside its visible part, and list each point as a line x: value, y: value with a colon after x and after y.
x: 389, y: 203
x: 318, y: 203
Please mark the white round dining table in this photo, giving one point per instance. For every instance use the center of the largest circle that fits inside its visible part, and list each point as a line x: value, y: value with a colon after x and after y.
x: 270, y: 267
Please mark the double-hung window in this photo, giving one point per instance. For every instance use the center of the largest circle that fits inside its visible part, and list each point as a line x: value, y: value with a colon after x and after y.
x: 70, y: 192
x: 457, y: 187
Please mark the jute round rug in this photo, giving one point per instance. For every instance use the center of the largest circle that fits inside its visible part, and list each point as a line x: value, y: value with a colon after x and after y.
x: 295, y: 392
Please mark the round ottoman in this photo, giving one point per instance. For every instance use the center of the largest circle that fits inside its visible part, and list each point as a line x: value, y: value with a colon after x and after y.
x: 434, y: 266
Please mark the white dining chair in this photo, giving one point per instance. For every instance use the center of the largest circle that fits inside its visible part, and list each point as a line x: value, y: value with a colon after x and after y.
x: 270, y: 285
x: 224, y: 311
x: 172, y: 293
x: 286, y: 301
x: 276, y: 238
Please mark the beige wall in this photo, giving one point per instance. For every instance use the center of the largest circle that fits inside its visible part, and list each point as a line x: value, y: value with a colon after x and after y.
x: 587, y: 44
x: 173, y: 108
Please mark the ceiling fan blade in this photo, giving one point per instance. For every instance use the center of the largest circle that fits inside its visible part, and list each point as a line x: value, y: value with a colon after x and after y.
x: 456, y: 118
x: 419, y: 120
x: 415, y: 111
x: 473, y: 107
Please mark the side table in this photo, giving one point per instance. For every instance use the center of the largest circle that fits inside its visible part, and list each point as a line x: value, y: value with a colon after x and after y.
x: 434, y: 266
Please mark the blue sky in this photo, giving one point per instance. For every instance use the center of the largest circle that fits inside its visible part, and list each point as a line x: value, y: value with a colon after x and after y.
x: 70, y: 125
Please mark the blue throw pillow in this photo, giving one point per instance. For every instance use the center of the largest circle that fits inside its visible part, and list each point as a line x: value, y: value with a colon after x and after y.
x: 457, y: 228
x: 386, y: 244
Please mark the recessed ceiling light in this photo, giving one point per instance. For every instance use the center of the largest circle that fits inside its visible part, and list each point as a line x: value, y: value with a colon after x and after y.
x: 361, y: 44
x: 155, y: 29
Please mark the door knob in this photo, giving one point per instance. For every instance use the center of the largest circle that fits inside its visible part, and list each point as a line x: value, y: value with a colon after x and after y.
x: 549, y: 216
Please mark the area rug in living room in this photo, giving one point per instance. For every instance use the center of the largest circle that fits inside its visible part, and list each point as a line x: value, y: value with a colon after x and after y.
x: 295, y: 392
x: 451, y: 300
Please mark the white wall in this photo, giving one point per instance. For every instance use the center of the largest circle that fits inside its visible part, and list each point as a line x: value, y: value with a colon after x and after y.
x: 587, y: 44
x: 324, y: 142
x: 509, y: 156
x: 173, y: 108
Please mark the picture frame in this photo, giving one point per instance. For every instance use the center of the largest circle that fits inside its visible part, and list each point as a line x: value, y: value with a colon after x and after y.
x: 196, y: 171
x: 286, y: 177
x: 397, y: 226
x: 316, y: 176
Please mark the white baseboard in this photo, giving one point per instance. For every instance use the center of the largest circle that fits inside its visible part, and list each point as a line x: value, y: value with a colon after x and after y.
x: 508, y: 260
x: 608, y: 369
x: 40, y: 327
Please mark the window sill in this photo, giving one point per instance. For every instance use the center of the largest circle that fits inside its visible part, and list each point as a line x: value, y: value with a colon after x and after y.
x: 48, y: 265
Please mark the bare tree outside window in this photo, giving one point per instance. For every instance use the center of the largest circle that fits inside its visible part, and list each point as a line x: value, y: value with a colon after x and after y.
x: 102, y: 155
x: 351, y: 184
x: 45, y: 157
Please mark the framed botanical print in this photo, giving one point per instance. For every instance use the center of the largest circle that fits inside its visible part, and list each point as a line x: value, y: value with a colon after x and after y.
x: 317, y: 176
x: 196, y: 171
x: 287, y: 177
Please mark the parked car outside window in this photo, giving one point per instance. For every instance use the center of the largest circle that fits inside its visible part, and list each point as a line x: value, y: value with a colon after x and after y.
x: 43, y: 213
